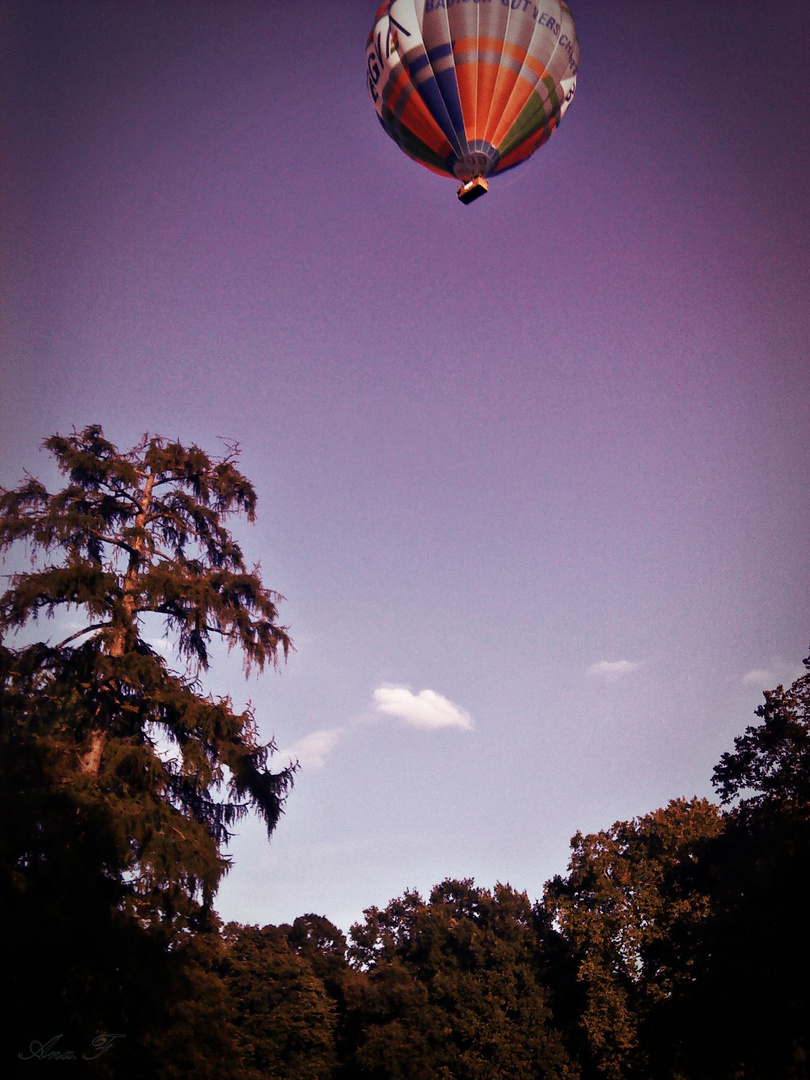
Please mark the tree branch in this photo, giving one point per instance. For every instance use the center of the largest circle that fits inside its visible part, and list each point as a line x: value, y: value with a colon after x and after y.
x: 81, y: 633
x: 110, y: 540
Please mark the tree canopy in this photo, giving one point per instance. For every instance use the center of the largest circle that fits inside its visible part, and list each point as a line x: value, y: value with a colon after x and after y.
x: 747, y: 1008
x: 771, y: 761
x: 455, y: 988
x: 617, y: 907
x: 688, y: 926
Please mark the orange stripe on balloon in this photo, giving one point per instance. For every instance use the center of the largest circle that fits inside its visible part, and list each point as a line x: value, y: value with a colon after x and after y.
x: 467, y: 81
x: 486, y: 79
x: 504, y: 85
x: 433, y: 168
x: 519, y: 154
x: 514, y: 52
x: 522, y: 90
x: 493, y: 79
x: 393, y: 94
x: 501, y: 95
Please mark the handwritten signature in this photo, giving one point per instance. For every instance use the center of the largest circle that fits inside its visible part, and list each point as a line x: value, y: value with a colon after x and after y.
x: 50, y: 1051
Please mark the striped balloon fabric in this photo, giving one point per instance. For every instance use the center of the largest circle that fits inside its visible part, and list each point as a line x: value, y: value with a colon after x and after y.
x: 469, y: 88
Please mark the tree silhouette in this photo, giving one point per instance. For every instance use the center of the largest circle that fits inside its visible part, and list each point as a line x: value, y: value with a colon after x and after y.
x: 747, y: 1006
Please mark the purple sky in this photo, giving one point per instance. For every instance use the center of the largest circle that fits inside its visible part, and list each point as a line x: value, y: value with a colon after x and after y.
x: 543, y: 457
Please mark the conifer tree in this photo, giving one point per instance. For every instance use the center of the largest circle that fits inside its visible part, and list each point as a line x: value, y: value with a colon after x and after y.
x: 148, y: 771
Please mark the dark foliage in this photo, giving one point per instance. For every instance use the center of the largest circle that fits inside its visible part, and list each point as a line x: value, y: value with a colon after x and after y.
x: 689, y: 928
x: 771, y: 761
x: 747, y: 1008
x: 454, y: 988
x: 285, y: 1018
x: 616, y: 909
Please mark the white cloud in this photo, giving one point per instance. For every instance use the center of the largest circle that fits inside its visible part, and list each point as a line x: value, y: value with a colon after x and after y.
x: 424, y: 710
x: 770, y: 678
x: 427, y: 709
x: 311, y: 751
x: 758, y: 677
x: 611, y: 669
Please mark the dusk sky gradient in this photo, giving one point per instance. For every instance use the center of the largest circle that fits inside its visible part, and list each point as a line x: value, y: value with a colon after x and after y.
x: 532, y: 473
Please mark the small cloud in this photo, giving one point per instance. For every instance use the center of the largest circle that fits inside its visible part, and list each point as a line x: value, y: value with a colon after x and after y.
x: 424, y: 710
x: 311, y: 752
x: 779, y: 673
x: 611, y: 669
x: 427, y: 709
x: 758, y: 677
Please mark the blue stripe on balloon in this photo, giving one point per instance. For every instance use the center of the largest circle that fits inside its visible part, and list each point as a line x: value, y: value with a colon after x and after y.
x: 424, y: 79
x: 438, y: 52
x: 448, y: 87
x: 418, y: 64
x: 434, y: 99
x: 449, y: 91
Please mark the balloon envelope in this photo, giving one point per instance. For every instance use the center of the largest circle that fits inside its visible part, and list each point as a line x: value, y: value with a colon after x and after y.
x: 469, y: 88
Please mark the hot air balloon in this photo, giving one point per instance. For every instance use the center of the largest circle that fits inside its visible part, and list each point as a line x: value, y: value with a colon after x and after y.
x: 470, y: 88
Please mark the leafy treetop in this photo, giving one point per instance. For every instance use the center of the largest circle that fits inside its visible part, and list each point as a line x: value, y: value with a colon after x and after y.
x: 142, y: 531
x: 772, y: 759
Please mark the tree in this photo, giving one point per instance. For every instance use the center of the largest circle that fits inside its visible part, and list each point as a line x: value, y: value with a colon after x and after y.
x: 454, y: 989
x: 120, y: 778
x: 688, y: 926
x: 285, y: 1019
x: 617, y: 908
x: 747, y: 1006
x: 320, y: 944
x: 771, y: 760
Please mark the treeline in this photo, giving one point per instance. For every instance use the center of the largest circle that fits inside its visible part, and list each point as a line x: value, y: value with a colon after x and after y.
x: 676, y: 947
